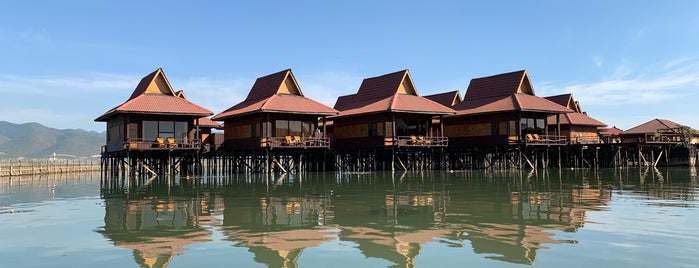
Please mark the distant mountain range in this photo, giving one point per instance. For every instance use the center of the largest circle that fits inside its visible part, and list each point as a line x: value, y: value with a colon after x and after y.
x: 35, y: 141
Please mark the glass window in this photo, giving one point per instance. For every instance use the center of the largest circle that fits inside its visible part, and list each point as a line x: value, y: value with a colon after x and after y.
x: 281, y: 128
x: 166, y: 126
x: 150, y: 130
x: 181, y: 131
x: 295, y: 127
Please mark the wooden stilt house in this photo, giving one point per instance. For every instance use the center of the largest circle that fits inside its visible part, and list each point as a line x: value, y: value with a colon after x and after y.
x: 275, y: 114
x: 503, y: 110
x: 577, y: 127
x: 387, y: 111
x: 659, y: 131
x: 154, y: 118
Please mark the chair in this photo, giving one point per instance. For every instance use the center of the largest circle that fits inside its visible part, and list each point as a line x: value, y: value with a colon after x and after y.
x: 413, y: 139
x: 287, y: 140
x: 529, y: 138
x: 171, y: 142
x: 160, y: 142
x: 537, y: 138
x: 297, y: 140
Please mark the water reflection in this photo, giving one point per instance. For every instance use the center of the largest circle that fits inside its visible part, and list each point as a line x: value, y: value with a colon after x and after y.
x: 504, y: 216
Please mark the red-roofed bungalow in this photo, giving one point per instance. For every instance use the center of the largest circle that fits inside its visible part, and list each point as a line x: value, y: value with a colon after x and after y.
x: 387, y: 111
x: 501, y: 110
x: 576, y: 126
x: 153, y: 118
x: 275, y: 114
x: 657, y: 131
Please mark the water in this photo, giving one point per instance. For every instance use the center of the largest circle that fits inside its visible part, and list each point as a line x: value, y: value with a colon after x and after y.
x: 572, y: 218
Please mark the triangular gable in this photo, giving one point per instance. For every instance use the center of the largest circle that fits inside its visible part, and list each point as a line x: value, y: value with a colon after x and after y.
x: 154, y: 83
x: 289, y: 85
x: 525, y: 85
x: 448, y: 99
x: 386, y: 85
x: 282, y: 82
x: 406, y: 85
x: 180, y: 94
x: 567, y: 101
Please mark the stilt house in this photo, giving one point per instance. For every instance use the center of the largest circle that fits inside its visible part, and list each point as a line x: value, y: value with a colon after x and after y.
x: 387, y: 111
x: 503, y: 110
x: 153, y: 118
x: 659, y: 131
x: 275, y: 114
x: 577, y: 127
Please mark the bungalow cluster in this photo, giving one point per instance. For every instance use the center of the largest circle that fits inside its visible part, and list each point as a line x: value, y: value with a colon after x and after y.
x: 386, y: 125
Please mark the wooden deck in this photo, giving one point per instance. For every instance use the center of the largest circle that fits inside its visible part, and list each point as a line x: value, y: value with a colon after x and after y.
x: 297, y: 142
x: 150, y: 145
x: 544, y: 140
x: 421, y: 141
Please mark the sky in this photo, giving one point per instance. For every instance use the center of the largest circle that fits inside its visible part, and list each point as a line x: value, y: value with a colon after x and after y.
x: 64, y: 63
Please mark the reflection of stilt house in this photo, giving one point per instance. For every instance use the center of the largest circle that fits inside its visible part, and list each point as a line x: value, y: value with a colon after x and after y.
x: 153, y: 131
x: 275, y: 127
x: 577, y: 127
x: 501, y: 111
x: 659, y: 140
x: 384, y: 119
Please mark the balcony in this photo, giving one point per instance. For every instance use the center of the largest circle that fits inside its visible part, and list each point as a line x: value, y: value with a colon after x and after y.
x: 160, y: 144
x: 421, y: 141
x: 296, y: 142
x: 544, y: 140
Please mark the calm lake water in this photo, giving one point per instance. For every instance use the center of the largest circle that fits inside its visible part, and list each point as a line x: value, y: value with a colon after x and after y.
x: 548, y: 218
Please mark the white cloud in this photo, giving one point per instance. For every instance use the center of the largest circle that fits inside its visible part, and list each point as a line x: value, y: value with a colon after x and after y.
x: 626, y: 86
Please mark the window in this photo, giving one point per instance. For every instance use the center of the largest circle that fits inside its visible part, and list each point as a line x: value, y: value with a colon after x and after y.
x: 282, y: 128
x: 293, y: 128
x: 532, y: 126
x: 372, y: 129
x: 495, y: 128
x: 165, y: 129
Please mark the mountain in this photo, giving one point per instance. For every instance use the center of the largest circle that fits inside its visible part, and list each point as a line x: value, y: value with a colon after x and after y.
x: 33, y: 140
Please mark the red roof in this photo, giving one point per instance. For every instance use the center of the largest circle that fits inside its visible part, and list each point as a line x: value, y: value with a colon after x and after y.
x: 207, y: 122
x: 394, y: 92
x: 276, y: 93
x: 163, y: 102
x: 516, y: 102
x: 448, y: 99
x: 651, y: 126
x: 504, y: 93
x: 566, y: 100
x: 612, y: 131
x: 576, y: 119
x: 497, y: 86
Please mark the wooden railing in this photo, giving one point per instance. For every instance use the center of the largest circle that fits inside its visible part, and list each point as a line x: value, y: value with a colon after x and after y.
x: 535, y: 139
x: 296, y: 141
x: 422, y: 141
x: 663, y: 138
x: 157, y: 144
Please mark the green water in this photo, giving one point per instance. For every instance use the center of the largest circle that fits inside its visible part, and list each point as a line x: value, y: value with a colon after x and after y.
x: 548, y: 218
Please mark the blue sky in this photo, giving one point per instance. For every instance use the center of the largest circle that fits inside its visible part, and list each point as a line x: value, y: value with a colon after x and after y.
x: 63, y: 63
